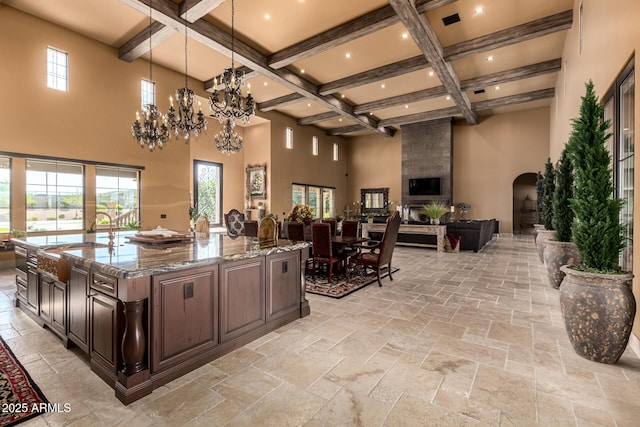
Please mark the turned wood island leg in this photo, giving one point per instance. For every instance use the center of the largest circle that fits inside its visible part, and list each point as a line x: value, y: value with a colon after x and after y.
x: 134, y: 341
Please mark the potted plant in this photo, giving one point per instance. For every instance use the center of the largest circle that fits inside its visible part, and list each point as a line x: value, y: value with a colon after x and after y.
x: 546, y: 208
x: 595, y: 297
x: 539, y: 181
x: 560, y: 250
x: 434, y: 211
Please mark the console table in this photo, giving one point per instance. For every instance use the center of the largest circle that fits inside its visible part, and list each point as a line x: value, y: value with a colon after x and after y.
x: 409, y: 234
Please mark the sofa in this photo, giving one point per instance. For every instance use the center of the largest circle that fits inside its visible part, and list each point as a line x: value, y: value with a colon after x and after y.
x: 473, y: 234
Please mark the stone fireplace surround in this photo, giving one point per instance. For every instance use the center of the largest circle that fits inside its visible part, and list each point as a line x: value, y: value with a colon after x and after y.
x: 427, y: 151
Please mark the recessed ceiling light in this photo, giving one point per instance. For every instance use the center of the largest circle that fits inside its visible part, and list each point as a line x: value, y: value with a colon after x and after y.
x: 339, y: 120
x: 371, y: 114
x: 267, y: 16
x: 405, y: 35
x: 302, y: 71
x: 309, y: 105
x: 266, y: 84
x: 406, y: 106
x: 347, y: 55
x: 497, y: 87
x: 382, y: 86
x: 343, y: 95
x: 479, y: 9
x: 448, y: 97
x: 490, y: 58
x: 430, y: 73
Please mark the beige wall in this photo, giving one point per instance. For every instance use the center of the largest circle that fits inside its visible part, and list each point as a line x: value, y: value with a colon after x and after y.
x: 610, y: 37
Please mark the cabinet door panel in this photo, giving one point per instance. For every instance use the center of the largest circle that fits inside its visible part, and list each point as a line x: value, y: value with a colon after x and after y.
x: 283, y: 284
x: 59, y: 307
x: 32, y: 289
x: 103, y: 329
x: 242, y: 297
x: 78, y: 292
x: 45, y: 299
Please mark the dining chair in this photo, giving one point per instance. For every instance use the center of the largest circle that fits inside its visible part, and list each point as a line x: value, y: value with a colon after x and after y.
x: 268, y: 229
x: 322, y: 252
x: 382, y: 252
x: 333, y: 223
x: 350, y: 229
x: 251, y: 228
x: 234, y: 220
x: 295, y: 231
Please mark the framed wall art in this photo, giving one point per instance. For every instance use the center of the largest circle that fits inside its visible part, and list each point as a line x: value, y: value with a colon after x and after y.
x: 257, y: 181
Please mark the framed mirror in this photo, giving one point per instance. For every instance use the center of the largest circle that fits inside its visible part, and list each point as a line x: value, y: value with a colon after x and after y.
x: 375, y: 201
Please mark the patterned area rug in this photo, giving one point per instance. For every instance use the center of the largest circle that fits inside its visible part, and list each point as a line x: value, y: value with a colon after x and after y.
x: 339, y: 286
x: 20, y: 397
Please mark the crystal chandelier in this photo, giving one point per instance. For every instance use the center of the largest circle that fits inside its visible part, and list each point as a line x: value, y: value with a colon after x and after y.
x: 153, y: 130
x: 227, y: 140
x: 227, y: 103
x: 183, y: 122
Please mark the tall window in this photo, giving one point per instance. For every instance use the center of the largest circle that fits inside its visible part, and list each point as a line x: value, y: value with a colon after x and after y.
x: 335, y: 151
x: 147, y: 92
x: 207, y: 183
x: 314, y: 145
x: 289, y: 138
x: 57, y: 69
x: 321, y: 199
x: 55, y: 196
x: 620, y: 109
x: 118, y: 195
x: 5, y: 194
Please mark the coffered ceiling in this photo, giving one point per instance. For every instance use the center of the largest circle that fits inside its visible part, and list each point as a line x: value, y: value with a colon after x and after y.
x: 350, y: 67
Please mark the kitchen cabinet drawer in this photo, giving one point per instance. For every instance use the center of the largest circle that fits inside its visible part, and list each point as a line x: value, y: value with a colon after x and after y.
x: 103, y: 283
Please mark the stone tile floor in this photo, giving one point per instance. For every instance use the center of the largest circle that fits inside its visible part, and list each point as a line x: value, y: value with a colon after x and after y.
x: 456, y: 339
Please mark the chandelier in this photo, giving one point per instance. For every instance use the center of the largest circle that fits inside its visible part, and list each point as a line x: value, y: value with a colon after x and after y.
x: 153, y: 130
x: 227, y: 103
x: 227, y: 140
x: 183, y: 122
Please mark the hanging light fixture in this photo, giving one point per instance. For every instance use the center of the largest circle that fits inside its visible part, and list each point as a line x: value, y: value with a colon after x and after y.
x: 153, y: 130
x: 227, y: 103
x: 227, y: 140
x: 184, y: 123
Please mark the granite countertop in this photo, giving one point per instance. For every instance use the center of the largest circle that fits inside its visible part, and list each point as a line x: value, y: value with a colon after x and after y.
x: 129, y: 259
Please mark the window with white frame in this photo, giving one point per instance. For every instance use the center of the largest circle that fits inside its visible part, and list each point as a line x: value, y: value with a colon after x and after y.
x: 289, y: 138
x: 335, y: 151
x: 57, y: 69
x: 314, y: 145
x: 118, y: 195
x: 147, y: 92
x: 5, y: 194
x: 54, y: 195
x: 321, y: 199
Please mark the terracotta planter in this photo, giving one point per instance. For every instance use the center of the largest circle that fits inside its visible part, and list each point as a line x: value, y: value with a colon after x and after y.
x: 598, y: 312
x: 556, y: 254
x: 541, y: 239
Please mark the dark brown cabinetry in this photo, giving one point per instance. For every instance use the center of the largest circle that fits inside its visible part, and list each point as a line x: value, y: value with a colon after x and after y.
x: 283, y: 285
x: 78, y: 292
x: 32, y: 288
x: 103, y: 334
x: 53, y: 305
x: 242, y: 297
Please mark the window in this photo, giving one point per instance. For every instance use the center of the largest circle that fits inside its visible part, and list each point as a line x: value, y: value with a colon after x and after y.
x: 57, y: 69
x: 321, y: 199
x: 118, y: 195
x: 314, y: 145
x: 335, y: 151
x: 620, y: 109
x: 289, y: 139
x: 207, y: 183
x: 5, y: 194
x: 54, y: 196
x: 147, y: 92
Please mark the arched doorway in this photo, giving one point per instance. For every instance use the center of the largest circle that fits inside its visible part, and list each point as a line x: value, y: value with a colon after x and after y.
x: 524, y: 203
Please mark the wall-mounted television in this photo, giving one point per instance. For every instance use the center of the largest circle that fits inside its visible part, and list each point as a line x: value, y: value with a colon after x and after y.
x: 424, y: 186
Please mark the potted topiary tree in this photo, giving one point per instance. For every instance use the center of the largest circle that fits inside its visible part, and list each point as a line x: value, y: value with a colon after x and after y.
x: 560, y: 250
x: 434, y: 211
x: 595, y: 297
x: 546, y: 208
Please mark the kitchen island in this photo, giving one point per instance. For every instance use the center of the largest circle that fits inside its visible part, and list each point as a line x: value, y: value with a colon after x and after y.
x: 146, y: 314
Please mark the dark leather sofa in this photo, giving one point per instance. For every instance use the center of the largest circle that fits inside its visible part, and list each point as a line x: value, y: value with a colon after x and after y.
x: 473, y: 234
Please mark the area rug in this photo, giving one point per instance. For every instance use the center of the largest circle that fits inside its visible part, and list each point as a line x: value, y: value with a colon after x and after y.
x: 20, y: 397
x: 339, y: 287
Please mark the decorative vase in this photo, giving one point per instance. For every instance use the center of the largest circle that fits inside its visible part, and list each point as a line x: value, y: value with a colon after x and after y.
x: 541, y: 240
x: 434, y: 221
x: 556, y: 254
x: 598, y: 311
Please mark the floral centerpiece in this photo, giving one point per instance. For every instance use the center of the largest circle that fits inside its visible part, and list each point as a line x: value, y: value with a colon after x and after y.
x: 301, y: 213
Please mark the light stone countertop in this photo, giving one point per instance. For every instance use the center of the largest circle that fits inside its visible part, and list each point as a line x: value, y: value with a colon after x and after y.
x: 129, y: 259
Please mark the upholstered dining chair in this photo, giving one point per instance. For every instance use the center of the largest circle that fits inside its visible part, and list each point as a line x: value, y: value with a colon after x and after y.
x: 295, y: 231
x: 350, y: 229
x: 268, y: 229
x: 382, y: 252
x: 251, y: 228
x: 333, y: 223
x: 321, y: 248
x: 234, y: 220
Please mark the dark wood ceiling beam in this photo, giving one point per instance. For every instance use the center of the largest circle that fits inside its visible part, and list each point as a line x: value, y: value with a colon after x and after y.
x: 406, y: 98
x: 354, y: 29
x: 427, y: 41
x: 479, y: 106
x: 282, y: 101
x: 204, y: 32
x: 343, y: 130
x: 138, y: 45
x: 520, y: 33
x: 370, y: 76
x: 317, y: 118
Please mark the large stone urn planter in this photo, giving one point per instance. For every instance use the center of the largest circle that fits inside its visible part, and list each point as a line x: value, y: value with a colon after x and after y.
x: 556, y: 254
x: 598, y: 311
x: 541, y: 240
